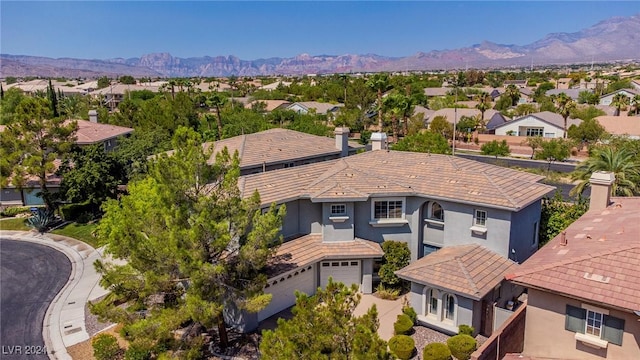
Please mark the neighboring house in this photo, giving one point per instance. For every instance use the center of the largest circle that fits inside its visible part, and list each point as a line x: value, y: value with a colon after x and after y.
x: 305, y: 107
x: 88, y: 133
x: 281, y: 148
x: 518, y: 83
x: 460, y: 285
x: 621, y: 125
x: 496, y: 120
x: 113, y: 95
x: 274, y: 85
x: 424, y: 112
x: 454, y: 115
x: 339, y: 211
x: 563, y: 83
x: 269, y: 105
x: 495, y: 93
x: 545, y: 123
x: 526, y: 95
x: 607, y: 99
x: 441, y: 91
x: 584, y: 293
x: 572, y: 93
x: 635, y: 84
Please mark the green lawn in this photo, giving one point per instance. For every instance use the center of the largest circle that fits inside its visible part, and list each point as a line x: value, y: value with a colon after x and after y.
x: 14, y: 224
x: 81, y: 232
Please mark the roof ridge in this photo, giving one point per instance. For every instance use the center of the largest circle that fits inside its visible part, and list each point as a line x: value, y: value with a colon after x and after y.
x: 500, y: 190
x: 242, y: 145
x: 332, y: 170
x: 466, y: 274
x: 572, y: 260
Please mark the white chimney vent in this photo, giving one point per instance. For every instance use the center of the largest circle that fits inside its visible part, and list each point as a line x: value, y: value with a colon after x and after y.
x: 342, y: 140
x: 93, y: 116
x: 378, y: 141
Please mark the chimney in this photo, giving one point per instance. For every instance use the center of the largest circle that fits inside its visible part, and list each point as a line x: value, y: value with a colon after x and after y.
x: 93, y: 116
x: 601, y: 182
x: 378, y: 141
x: 342, y: 140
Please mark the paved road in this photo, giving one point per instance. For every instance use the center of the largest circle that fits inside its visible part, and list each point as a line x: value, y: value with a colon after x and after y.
x: 525, y: 163
x: 30, y: 277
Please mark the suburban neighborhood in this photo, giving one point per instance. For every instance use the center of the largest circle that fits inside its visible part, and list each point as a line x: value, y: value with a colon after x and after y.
x: 438, y: 206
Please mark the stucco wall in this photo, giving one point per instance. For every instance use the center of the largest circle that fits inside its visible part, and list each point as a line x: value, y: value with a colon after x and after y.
x: 303, y: 217
x: 467, y: 311
x: 338, y: 229
x: 524, y: 236
x: 545, y: 335
x: 529, y: 121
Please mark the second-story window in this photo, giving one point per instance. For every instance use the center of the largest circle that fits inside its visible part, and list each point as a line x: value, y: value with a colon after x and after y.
x: 480, y: 218
x: 388, y: 209
x: 338, y: 209
x: 436, y: 212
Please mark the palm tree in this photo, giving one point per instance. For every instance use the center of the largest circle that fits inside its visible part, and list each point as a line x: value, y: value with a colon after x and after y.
x: 564, y: 106
x: 217, y: 101
x: 513, y: 93
x: 635, y: 103
x: 484, y: 104
x: 379, y: 83
x: 619, y: 101
x: 618, y: 161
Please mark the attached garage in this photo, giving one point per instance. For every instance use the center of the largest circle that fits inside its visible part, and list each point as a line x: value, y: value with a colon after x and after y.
x: 283, y: 288
x: 344, y: 271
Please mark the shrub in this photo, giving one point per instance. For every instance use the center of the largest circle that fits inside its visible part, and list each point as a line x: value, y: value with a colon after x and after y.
x: 105, y: 347
x: 411, y: 313
x: 387, y: 293
x: 15, y: 210
x: 73, y: 212
x: 396, y: 256
x: 466, y: 330
x: 403, y: 325
x: 402, y: 346
x: 135, y: 352
x: 436, y: 351
x: 462, y: 346
x: 42, y: 220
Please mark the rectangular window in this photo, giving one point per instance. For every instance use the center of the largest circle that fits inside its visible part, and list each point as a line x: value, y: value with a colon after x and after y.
x: 594, y: 323
x: 534, y: 240
x: 450, y: 307
x: 338, y: 209
x: 388, y: 209
x: 535, y: 131
x: 480, y: 218
x: 288, y: 165
x: 433, y: 303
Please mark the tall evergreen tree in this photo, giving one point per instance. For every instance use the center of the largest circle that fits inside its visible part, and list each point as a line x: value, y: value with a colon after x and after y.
x: 53, y: 100
x: 193, y: 247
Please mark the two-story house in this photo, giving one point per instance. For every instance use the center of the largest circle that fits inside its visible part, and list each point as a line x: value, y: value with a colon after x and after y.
x: 339, y: 211
x: 584, y: 287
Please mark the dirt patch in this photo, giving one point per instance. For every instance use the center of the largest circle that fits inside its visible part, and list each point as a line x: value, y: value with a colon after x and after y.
x: 84, y: 350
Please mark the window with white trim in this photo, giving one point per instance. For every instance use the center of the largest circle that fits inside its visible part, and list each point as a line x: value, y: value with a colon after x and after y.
x: 480, y: 218
x: 534, y: 132
x: 432, y: 302
x: 594, y: 323
x: 388, y: 209
x: 338, y: 209
x: 449, y: 304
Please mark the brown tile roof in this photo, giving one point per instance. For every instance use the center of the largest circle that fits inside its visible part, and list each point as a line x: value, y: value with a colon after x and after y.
x: 310, y: 249
x: 396, y: 173
x: 600, y: 263
x: 450, y: 113
x: 270, y: 105
x: 275, y: 146
x: 469, y: 270
x: 620, y: 125
x: 92, y: 133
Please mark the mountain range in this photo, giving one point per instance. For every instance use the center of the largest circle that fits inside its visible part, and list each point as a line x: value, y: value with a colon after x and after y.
x: 616, y: 38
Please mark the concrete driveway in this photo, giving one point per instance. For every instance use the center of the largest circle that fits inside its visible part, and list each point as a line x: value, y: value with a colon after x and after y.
x: 31, y: 275
x: 388, y: 311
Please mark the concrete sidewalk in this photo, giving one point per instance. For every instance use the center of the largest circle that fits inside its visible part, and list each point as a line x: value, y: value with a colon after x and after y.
x: 64, y: 321
x: 388, y: 311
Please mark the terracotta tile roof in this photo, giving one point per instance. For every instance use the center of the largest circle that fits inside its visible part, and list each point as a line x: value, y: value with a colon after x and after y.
x: 275, y: 146
x: 310, y: 249
x: 321, y: 108
x: 92, y: 133
x: 620, y: 125
x: 469, y: 270
x: 450, y: 113
x: 396, y: 173
x: 601, y: 261
x: 270, y: 105
x: 549, y: 117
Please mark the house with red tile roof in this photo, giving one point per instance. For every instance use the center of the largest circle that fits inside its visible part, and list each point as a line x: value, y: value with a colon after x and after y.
x: 584, y: 285
x: 339, y: 212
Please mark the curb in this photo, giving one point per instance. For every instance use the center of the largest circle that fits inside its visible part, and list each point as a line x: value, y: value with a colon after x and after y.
x: 54, y: 323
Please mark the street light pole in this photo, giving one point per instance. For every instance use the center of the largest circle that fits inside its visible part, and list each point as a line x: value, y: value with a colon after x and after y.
x: 455, y: 121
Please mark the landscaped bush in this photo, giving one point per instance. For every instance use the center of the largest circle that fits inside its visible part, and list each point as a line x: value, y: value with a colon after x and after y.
x: 402, y: 346
x: 137, y: 353
x: 73, y: 212
x: 436, y: 351
x: 396, y: 256
x: 105, y: 347
x: 15, y: 210
x: 387, y: 293
x: 403, y: 325
x: 466, y: 330
x: 411, y: 313
x: 42, y: 220
x: 462, y: 346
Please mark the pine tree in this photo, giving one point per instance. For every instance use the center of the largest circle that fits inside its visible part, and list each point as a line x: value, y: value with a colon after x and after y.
x: 53, y: 100
x: 192, y: 244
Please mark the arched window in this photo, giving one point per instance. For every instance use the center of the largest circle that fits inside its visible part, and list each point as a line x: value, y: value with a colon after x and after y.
x: 436, y: 213
x: 432, y: 302
x: 449, y: 307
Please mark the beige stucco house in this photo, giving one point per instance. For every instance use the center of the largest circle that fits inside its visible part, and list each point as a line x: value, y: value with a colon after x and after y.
x: 584, y: 287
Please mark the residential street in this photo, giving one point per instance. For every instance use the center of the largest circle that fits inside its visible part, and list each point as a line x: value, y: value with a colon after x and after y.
x: 31, y: 276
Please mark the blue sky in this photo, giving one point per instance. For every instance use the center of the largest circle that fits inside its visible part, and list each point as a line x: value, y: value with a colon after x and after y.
x: 252, y: 30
